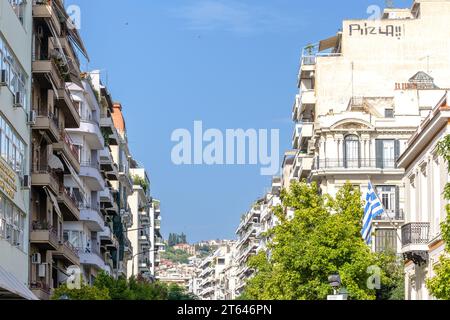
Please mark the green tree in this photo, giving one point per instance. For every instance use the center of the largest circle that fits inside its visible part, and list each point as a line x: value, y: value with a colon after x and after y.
x: 84, y: 293
x: 321, y: 239
x: 178, y: 293
x: 439, y: 285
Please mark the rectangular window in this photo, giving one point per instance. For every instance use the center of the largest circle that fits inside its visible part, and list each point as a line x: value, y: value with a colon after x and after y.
x: 387, y: 153
x: 389, y: 113
x: 386, y: 240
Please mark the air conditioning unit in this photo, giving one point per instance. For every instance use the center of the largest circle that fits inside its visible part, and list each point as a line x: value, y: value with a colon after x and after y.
x: 26, y: 182
x: 18, y: 100
x: 32, y: 117
x: 3, y: 78
x: 36, y: 258
x: 42, y: 270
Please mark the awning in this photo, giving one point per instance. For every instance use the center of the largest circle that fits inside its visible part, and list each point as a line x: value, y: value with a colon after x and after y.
x: 329, y: 43
x: 12, y: 288
x: 55, y: 163
x: 54, y: 201
x: 74, y: 175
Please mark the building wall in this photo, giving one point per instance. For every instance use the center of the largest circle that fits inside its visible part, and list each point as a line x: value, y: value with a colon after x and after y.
x: 17, y: 37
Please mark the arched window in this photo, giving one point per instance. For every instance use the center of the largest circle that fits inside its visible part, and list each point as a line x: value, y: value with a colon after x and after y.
x: 351, y: 151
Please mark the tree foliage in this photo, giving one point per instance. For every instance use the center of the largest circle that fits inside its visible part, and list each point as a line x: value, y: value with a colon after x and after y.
x: 439, y: 285
x: 108, y: 288
x: 175, y: 239
x: 176, y: 256
x: 321, y: 239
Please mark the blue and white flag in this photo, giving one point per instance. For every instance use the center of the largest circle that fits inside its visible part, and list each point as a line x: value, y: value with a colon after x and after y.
x: 373, y: 209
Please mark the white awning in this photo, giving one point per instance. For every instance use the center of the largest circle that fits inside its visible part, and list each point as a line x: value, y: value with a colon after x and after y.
x: 74, y: 175
x: 12, y: 288
x: 55, y: 163
x: 54, y: 201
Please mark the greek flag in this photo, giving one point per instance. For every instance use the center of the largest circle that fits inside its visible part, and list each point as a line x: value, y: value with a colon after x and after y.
x: 373, y: 209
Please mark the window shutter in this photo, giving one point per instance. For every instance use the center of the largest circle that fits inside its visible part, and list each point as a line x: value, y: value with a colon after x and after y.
x: 379, y: 153
x: 397, y: 151
x: 397, y: 202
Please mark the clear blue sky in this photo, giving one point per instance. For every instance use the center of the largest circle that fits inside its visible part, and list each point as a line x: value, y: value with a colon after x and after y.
x: 230, y: 63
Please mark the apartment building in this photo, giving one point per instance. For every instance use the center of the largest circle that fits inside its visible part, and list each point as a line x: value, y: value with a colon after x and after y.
x: 140, y: 203
x: 55, y: 67
x: 247, y: 244
x: 425, y: 180
x: 123, y: 188
x: 211, y: 278
x: 92, y: 235
x: 363, y: 93
x: 155, y: 234
x: 15, y: 86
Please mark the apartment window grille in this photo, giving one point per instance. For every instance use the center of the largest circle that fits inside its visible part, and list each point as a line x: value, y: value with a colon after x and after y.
x: 386, y: 240
x: 351, y: 151
x: 12, y: 223
x: 12, y: 74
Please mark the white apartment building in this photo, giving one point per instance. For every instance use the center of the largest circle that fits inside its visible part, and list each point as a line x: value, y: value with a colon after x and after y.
x: 363, y: 92
x: 123, y: 188
x: 89, y: 186
x: 15, y: 87
x: 425, y: 179
x: 247, y: 244
x: 211, y: 280
x: 140, y: 206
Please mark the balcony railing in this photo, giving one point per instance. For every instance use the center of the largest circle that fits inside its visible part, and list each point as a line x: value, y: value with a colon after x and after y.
x: 71, y: 196
x: 45, y: 226
x: 357, y: 163
x: 68, y: 141
x: 391, y: 215
x: 41, y: 112
x: 415, y: 233
x: 90, y: 164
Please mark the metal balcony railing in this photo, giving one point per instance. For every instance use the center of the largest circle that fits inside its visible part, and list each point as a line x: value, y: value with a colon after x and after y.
x: 415, y: 233
x: 356, y: 163
x: 391, y: 215
x: 90, y: 164
x: 68, y: 141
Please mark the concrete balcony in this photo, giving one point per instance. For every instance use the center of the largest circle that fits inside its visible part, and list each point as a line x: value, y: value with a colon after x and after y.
x: 106, y: 160
x: 302, y: 166
x: 308, y: 97
x: 46, y: 11
x: 415, y: 238
x: 46, y: 72
x: 44, y: 236
x: 302, y: 134
x: 106, y: 198
x: 47, y: 123
x: 90, y: 172
x: 43, y: 176
x: 93, y: 218
x: 69, y: 205
x: 68, y: 149
x: 67, y: 253
x: 107, y: 237
x: 92, y: 257
x: 91, y: 131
